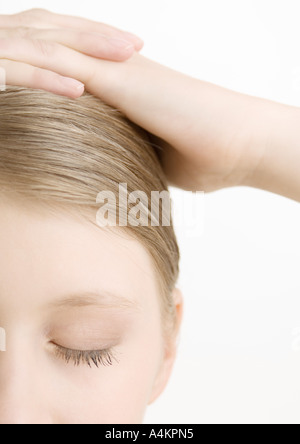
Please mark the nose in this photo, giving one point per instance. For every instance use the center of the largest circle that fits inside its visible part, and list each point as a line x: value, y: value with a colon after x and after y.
x: 21, y: 394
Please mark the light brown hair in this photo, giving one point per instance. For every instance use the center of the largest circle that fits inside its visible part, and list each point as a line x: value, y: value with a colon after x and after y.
x: 62, y: 152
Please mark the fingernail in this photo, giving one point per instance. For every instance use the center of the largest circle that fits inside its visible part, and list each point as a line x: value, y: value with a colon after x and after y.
x: 72, y: 83
x: 122, y: 44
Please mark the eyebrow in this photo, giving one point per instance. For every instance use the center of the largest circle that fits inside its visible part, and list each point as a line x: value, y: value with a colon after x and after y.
x: 94, y: 299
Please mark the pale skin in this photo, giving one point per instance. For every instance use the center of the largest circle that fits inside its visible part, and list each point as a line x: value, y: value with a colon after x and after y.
x: 212, y: 138
x: 68, y: 285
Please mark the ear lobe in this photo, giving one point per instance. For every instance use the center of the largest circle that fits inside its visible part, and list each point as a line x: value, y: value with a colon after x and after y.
x: 169, y: 358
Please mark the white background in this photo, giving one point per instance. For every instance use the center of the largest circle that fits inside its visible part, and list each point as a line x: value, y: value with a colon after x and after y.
x: 239, y: 356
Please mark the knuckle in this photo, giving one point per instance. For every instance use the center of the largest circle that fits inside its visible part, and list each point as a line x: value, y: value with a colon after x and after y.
x: 37, y: 11
x: 29, y: 16
x: 33, y: 12
x: 21, y: 19
x: 23, y: 32
x: 45, y: 48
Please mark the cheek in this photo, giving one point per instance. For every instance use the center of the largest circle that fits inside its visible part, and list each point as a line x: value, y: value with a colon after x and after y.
x: 116, y: 394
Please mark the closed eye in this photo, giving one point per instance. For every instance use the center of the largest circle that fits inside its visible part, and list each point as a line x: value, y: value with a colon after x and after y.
x: 85, y: 357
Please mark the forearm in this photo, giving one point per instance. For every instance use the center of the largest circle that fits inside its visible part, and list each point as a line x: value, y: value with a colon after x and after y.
x: 211, y: 137
x: 278, y: 132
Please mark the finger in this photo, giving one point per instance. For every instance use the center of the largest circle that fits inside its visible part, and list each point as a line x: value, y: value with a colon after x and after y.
x: 42, y: 18
x: 95, y: 45
x: 21, y: 74
x: 68, y: 21
x: 50, y: 56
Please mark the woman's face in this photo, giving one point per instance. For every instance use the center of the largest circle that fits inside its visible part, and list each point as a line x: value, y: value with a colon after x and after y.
x: 80, y: 307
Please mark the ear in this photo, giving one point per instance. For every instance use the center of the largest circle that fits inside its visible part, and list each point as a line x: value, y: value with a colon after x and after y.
x: 169, y: 357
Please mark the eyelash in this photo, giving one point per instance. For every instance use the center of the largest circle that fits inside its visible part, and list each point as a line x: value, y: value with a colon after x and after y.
x: 82, y: 357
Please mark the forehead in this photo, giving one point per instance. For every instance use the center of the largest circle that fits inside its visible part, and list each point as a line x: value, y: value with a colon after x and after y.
x: 56, y: 253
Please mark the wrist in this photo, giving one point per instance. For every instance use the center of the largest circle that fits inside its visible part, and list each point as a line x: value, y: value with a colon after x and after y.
x: 276, y: 143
